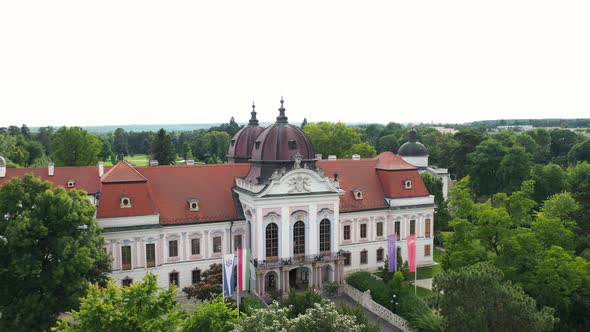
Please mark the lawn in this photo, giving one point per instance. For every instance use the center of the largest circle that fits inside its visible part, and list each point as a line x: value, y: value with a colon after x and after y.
x: 142, y: 160
x: 423, y: 292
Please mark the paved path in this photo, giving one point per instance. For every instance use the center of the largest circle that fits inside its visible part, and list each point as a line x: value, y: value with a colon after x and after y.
x: 385, y: 325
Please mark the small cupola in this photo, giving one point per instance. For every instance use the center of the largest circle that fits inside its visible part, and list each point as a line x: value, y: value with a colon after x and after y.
x: 193, y: 205
x: 125, y: 201
x: 240, y: 147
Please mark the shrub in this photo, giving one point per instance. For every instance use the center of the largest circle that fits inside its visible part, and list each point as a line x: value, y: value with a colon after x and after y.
x: 330, y: 288
x: 299, y: 302
x: 249, y: 304
x: 363, y: 281
x: 209, y: 287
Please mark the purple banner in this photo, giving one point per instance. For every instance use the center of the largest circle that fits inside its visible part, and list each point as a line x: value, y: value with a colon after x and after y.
x: 391, y: 251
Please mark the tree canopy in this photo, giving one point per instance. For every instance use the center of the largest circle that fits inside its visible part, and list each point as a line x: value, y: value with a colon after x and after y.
x: 52, y: 251
x: 74, y: 146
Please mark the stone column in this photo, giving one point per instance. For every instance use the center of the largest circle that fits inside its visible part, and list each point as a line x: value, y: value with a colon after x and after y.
x: 313, y: 238
x: 335, y: 242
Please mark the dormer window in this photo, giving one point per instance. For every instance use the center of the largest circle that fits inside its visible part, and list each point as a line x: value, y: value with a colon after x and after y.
x: 257, y: 144
x: 71, y: 183
x: 358, y: 195
x: 292, y: 144
x: 408, y: 184
x: 193, y: 205
x: 125, y: 202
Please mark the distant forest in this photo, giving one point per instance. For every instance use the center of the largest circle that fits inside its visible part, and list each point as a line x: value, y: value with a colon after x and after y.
x: 561, y: 123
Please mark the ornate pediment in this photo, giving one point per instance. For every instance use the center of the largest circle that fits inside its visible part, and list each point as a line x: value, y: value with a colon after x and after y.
x: 299, y: 181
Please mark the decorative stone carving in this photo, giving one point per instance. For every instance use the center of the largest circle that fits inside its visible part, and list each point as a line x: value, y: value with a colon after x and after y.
x: 320, y: 172
x: 299, y: 184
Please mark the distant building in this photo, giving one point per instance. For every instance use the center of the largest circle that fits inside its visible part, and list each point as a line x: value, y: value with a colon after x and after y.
x: 515, y: 127
x: 446, y: 131
x: 416, y: 154
x: 306, y: 220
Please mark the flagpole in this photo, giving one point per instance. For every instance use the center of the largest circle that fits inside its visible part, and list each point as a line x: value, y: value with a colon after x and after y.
x: 239, y: 282
x: 415, y: 278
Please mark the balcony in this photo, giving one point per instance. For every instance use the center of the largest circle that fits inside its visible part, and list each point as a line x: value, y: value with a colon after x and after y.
x: 297, y: 260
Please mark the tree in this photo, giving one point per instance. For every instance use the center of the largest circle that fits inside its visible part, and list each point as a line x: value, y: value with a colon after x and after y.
x: 304, y: 123
x: 388, y: 143
x: 475, y: 299
x: 106, y: 153
x: 562, y: 206
x: 580, y: 152
x: 514, y: 168
x: 463, y: 248
x: 120, y: 143
x: 74, y: 146
x: 298, y: 303
x: 44, y: 137
x: 209, y: 286
x: 467, y: 141
x: 364, y: 149
x: 549, y: 180
x: 554, y: 231
x: 441, y: 213
x: 53, y: 249
x: 162, y: 148
x: 214, y: 316
x: 483, y: 167
x: 332, y: 138
x: 143, y: 306
x: 562, y: 141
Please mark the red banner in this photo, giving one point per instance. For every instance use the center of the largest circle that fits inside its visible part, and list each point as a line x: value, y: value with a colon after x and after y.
x: 412, y: 252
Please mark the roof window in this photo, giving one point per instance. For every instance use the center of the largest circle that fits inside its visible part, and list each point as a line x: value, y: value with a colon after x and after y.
x: 358, y: 195
x: 125, y: 202
x: 193, y: 205
x: 257, y: 144
x: 292, y: 144
x: 407, y: 184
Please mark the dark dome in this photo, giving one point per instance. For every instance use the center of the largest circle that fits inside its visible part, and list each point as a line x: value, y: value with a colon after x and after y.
x: 241, y: 144
x: 282, y: 141
x: 412, y: 148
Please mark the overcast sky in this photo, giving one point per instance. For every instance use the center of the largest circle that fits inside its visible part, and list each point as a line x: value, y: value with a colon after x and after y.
x: 150, y: 62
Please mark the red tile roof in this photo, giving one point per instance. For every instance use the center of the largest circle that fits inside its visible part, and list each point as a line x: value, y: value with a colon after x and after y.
x: 356, y: 174
x: 393, y: 183
x: 139, y: 193
x: 85, y: 177
x: 389, y: 161
x: 122, y: 172
x: 211, y: 185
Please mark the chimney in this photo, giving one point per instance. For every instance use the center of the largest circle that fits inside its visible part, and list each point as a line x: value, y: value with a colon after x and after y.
x: 100, y: 169
x: 356, y: 157
x: 51, y: 168
x: 2, y: 167
x: 318, y: 156
x: 332, y: 157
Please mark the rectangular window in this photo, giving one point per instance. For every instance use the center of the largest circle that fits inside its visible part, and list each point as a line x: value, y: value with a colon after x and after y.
x: 217, y: 244
x: 427, y: 250
x: 347, y: 232
x: 126, y: 257
x: 150, y: 254
x: 363, y: 231
x: 195, y: 246
x: 397, y: 230
x: 196, y: 277
x: 380, y: 255
x: 427, y: 228
x: 174, y: 278
x: 346, y: 259
x: 412, y: 227
x: 379, y: 229
x: 173, y: 248
x: 364, y: 257
x: 237, y: 242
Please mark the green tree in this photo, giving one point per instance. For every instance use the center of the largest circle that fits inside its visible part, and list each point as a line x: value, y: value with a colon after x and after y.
x: 549, y: 180
x: 543, y: 140
x: 484, y: 165
x: 514, y: 168
x: 44, y: 137
x: 120, y: 143
x: 162, y: 148
x: 364, y: 149
x: 214, y: 316
x: 460, y: 202
x: 562, y: 206
x: 7, y: 145
x: 475, y: 299
x: 143, y: 306
x: 209, y: 286
x: 106, y: 153
x: 580, y: 152
x: 527, y: 142
x: 467, y: 141
x: 441, y: 213
x: 554, y: 231
x: 298, y: 302
x: 463, y: 248
x: 74, y: 146
x: 332, y: 138
x: 52, y: 250
x: 562, y: 141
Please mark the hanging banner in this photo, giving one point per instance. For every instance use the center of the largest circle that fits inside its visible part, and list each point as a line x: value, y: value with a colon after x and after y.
x: 391, y: 252
x: 412, y: 252
x: 243, y: 269
x: 228, y: 274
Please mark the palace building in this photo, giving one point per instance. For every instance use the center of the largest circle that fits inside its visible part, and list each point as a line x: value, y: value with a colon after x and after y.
x: 306, y: 219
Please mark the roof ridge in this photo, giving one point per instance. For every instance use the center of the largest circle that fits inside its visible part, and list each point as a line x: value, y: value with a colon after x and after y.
x: 134, y: 176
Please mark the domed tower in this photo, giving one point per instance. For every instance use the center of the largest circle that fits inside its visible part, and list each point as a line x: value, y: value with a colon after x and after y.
x: 240, y: 147
x: 413, y: 151
x: 279, y: 145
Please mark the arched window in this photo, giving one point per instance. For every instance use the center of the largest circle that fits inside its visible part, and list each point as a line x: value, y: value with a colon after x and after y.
x: 272, y: 240
x: 325, y: 235
x: 299, y: 238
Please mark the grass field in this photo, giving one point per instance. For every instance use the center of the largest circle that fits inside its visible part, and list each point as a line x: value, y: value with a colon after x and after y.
x: 141, y: 160
x: 423, y: 292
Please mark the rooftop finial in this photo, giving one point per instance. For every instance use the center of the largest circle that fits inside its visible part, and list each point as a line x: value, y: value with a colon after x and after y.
x: 282, y: 118
x: 253, y: 121
x: 412, y: 137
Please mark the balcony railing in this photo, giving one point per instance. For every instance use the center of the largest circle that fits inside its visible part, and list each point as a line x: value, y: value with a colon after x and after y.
x: 296, y: 260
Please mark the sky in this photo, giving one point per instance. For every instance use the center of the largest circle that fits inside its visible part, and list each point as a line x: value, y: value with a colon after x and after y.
x: 167, y: 62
